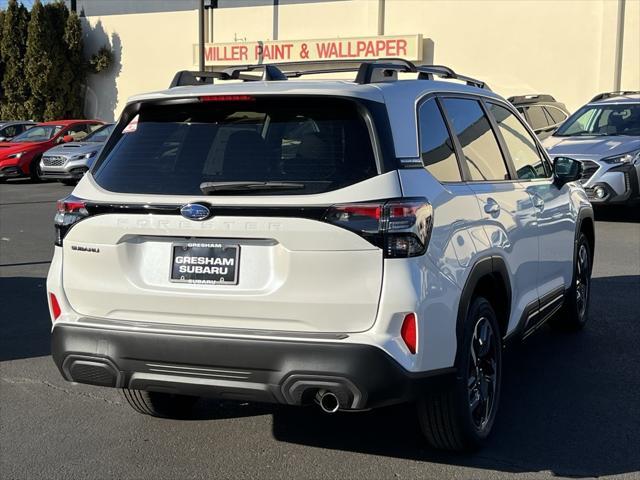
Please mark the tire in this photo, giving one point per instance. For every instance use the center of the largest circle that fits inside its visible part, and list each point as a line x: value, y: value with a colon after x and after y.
x: 34, y: 170
x: 575, y: 311
x: 157, y: 404
x: 461, y: 418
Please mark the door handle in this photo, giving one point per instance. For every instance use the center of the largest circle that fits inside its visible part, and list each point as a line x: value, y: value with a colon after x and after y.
x: 538, y: 202
x: 491, y: 207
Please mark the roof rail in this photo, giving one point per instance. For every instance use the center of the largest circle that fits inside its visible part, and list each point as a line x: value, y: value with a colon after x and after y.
x: 381, y: 70
x: 531, y: 98
x: 186, y: 77
x: 619, y: 93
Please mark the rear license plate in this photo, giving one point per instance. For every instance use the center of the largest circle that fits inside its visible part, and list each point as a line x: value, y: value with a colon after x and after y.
x: 207, y: 263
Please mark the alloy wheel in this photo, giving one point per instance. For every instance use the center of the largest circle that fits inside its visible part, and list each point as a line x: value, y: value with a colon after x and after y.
x: 582, y: 281
x: 483, y: 373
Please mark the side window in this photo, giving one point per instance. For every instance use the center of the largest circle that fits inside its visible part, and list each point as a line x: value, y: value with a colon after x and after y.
x: 520, y: 144
x: 536, y: 118
x: 436, y: 146
x: 557, y: 115
x: 10, y: 131
x: 92, y: 127
x: 479, y: 144
x: 78, y: 132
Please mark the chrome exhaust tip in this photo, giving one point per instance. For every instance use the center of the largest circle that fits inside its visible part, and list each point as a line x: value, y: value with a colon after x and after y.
x: 328, y: 401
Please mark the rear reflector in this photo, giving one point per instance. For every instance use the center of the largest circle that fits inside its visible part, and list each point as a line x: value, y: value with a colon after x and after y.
x: 227, y: 98
x: 408, y: 332
x: 55, y: 306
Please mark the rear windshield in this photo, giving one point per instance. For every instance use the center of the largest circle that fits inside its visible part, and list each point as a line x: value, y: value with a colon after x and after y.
x: 308, y: 145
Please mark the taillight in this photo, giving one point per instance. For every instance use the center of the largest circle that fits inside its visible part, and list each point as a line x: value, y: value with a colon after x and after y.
x: 70, y: 211
x: 55, y: 306
x: 400, y: 227
x: 409, y: 332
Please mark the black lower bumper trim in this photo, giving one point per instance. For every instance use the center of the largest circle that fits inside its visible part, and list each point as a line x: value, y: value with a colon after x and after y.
x: 289, y: 372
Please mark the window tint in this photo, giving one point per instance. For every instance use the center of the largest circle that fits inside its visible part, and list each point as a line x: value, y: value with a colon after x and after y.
x: 536, y: 118
x: 323, y: 144
x: 479, y: 144
x: 557, y: 115
x: 10, y: 131
x: 520, y: 143
x: 38, y: 134
x: 436, y: 146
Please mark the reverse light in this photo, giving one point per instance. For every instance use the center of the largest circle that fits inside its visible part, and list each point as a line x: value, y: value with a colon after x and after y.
x: 409, y: 332
x: 400, y: 227
x: 227, y: 98
x: 55, y: 306
x: 70, y: 211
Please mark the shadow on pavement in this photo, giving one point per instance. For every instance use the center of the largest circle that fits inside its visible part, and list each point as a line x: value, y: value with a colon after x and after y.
x: 617, y: 214
x: 570, y: 403
x: 24, y: 318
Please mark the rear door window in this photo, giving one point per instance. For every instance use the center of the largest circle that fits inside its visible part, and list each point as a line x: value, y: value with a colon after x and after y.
x: 479, y: 144
x: 537, y: 118
x: 437, y: 151
x: 318, y: 144
x: 556, y: 114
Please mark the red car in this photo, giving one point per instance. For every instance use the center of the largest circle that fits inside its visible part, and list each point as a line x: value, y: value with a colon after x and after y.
x: 21, y: 156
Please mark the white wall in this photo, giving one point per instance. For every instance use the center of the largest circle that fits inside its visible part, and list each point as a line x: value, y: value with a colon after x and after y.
x: 562, y: 47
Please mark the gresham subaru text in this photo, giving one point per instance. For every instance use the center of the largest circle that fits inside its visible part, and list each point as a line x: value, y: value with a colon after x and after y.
x: 421, y: 227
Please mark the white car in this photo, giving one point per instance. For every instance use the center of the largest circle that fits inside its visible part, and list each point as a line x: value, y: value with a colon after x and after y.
x: 350, y: 243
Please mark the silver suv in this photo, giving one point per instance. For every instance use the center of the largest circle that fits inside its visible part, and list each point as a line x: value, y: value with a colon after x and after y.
x: 604, y: 136
x: 68, y: 162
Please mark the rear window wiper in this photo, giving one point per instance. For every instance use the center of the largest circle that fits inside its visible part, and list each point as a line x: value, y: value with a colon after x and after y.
x: 209, y: 188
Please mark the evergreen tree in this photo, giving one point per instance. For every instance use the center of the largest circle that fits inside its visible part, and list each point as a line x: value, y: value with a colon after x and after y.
x: 1, y: 59
x: 13, y: 47
x: 46, y: 67
x: 74, y: 44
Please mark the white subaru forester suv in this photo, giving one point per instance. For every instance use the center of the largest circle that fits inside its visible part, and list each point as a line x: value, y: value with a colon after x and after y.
x: 350, y: 243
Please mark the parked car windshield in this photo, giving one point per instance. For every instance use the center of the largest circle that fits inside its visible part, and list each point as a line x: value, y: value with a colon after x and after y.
x: 312, y: 144
x: 100, y: 135
x: 39, y: 133
x: 602, y: 120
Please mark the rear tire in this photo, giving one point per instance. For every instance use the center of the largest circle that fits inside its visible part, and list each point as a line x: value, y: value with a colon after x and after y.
x: 575, y: 311
x: 462, y: 418
x: 34, y: 170
x: 157, y: 404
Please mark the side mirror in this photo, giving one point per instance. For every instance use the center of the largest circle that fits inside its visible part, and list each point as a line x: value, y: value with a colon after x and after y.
x: 566, y: 170
x: 67, y: 139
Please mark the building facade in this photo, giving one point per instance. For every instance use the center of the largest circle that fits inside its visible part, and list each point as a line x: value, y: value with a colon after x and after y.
x: 571, y: 49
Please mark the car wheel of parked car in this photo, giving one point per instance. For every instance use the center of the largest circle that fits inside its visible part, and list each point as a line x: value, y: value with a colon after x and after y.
x: 575, y: 311
x: 462, y: 418
x: 158, y: 404
x: 34, y: 170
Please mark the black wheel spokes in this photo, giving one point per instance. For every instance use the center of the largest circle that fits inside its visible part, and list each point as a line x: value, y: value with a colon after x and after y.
x: 482, y: 373
x: 582, y: 280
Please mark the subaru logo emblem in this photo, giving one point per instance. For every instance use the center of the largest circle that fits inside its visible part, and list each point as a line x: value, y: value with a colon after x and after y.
x: 195, y: 211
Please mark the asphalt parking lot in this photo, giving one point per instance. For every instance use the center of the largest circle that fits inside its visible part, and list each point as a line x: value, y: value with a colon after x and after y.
x: 570, y: 405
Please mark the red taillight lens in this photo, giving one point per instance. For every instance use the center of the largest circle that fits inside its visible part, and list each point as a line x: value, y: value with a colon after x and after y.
x: 409, y: 332
x: 227, y: 98
x: 70, y: 211
x: 55, y: 306
x: 400, y: 227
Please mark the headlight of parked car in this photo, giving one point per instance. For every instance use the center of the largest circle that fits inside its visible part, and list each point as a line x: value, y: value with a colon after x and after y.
x: 16, y: 155
x: 630, y: 157
x: 84, y: 155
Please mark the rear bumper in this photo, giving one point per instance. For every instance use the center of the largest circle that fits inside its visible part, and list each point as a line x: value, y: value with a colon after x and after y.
x: 261, y: 370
